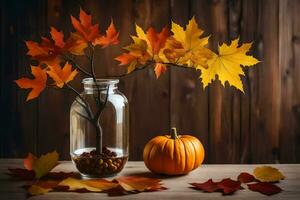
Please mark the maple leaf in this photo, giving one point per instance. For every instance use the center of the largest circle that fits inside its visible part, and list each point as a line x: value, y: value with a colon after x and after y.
x: 229, y: 186
x: 37, y: 84
x: 227, y: 64
x: 157, y: 40
x: 267, y: 174
x: 140, y: 184
x: 84, y: 27
x: 37, y: 190
x: 245, y: 177
x: 62, y: 75
x: 44, y: 164
x: 137, y: 54
x: 28, y: 162
x: 23, y: 174
x: 93, y: 185
x: 186, y: 47
x: 49, y: 51
x: 111, y: 37
x: 265, y: 188
x: 159, y: 69
x: 208, y: 186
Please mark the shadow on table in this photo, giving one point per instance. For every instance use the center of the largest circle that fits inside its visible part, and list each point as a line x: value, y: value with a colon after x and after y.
x: 152, y: 175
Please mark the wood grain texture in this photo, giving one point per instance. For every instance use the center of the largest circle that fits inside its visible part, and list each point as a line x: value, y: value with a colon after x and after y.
x: 178, y: 187
x: 261, y: 126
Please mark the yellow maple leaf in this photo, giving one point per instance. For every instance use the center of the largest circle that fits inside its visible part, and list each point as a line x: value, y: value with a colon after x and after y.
x: 186, y: 47
x: 227, y: 64
x: 93, y: 185
x: 45, y: 164
x: 37, y: 190
x: 62, y: 75
x: 267, y: 174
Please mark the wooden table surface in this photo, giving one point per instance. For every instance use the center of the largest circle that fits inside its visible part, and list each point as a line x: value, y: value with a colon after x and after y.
x: 10, y: 189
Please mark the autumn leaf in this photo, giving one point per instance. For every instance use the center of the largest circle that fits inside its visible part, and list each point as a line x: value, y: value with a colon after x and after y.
x: 157, y: 40
x: 229, y: 186
x: 245, y: 177
x: 49, y: 51
x: 140, y: 184
x: 37, y: 84
x: 159, y: 69
x: 265, y: 188
x: 29, y: 161
x: 37, y: 190
x: 84, y: 27
x: 138, y: 54
x: 227, y: 64
x: 208, y: 186
x: 44, y: 164
x: 110, y: 38
x: 63, y: 75
x: 23, y: 174
x: 267, y: 174
x: 93, y: 185
x: 186, y: 47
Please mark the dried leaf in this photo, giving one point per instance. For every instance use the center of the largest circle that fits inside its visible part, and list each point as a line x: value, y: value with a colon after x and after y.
x: 208, y: 186
x: 245, y: 177
x: 267, y: 174
x: 37, y: 84
x: 157, y: 40
x: 37, y: 190
x: 45, y: 164
x: 23, y: 174
x: 227, y: 64
x: 140, y: 184
x: 62, y: 75
x: 265, y: 188
x: 29, y: 161
x: 62, y: 175
x: 229, y: 186
x: 93, y: 185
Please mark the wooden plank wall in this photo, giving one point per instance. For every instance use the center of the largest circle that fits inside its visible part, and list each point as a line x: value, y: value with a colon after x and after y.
x: 262, y: 126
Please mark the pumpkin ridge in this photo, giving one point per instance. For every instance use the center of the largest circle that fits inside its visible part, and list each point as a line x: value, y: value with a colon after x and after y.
x: 153, y: 147
x: 162, y: 151
x: 189, y: 145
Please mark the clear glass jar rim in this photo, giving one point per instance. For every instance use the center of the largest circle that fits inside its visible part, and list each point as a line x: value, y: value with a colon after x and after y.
x: 100, y: 81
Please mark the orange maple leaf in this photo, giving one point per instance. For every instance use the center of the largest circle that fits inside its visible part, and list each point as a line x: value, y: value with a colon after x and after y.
x: 29, y: 161
x: 85, y: 28
x: 37, y: 84
x: 62, y: 75
x: 157, y: 40
x: 159, y: 69
x: 50, y: 50
x: 125, y: 58
x: 111, y: 37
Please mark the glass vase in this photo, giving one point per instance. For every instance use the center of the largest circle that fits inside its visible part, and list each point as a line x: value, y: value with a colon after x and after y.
x: 99, y: 129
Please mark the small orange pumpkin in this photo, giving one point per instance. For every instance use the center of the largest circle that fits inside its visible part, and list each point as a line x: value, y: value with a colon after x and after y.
x: 173, y: 154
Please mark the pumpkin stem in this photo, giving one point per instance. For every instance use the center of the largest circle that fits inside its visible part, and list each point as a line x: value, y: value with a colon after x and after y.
x: 174, y: 133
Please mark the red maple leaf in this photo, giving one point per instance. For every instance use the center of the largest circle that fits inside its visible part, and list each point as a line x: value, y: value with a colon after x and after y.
x: 208, y: 186
x: 49, y: 51
x: 229, y: 186
x: 264, y: 188
x: 245, y: 177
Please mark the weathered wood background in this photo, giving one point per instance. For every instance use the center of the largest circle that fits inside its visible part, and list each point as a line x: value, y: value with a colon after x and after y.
x: 261, y: 126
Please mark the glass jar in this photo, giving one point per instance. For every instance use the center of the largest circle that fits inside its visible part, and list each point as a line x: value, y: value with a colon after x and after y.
x: 99, y: 129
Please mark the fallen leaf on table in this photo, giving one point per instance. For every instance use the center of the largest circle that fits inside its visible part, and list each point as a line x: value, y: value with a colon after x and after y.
x: 265, y: 188
x: 23, y: 174
x: 37, y: 190
x: 208, y: 186
x: 229, y: 186
x: 45, y: 164
x: 93, y: 185
x: 38, y: 167
x: 136, y: 183
x: 245, y: 177
x: 28, y: 162
x: 62, y: 175
x: 267, y: 174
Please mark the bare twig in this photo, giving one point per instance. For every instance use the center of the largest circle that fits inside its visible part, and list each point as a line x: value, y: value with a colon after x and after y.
x: 72, y: 61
